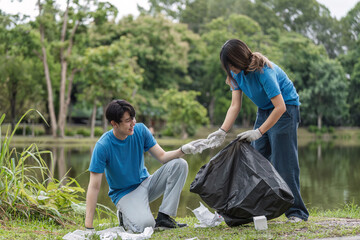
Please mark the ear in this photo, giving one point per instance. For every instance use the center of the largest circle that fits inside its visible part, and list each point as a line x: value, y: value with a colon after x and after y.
x: 113, y: 123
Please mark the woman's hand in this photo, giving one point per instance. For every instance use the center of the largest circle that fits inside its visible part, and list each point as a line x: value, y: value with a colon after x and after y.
x: 217, y: 138
x: 250, y: 135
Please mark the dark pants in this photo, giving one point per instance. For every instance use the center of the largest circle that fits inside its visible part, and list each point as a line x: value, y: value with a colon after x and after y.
x: 279, y: 146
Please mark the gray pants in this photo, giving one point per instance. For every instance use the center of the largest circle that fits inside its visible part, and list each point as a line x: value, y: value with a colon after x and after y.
x: 168, y: 180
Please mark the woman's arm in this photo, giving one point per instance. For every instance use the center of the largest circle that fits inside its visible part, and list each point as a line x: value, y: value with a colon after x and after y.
x: 279, y: 109
x: 162, y: 156
x: 233, y: 111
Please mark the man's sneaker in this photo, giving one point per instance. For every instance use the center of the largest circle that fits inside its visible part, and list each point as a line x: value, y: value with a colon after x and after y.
x: 120, y: 219
x: 164, y: 221
x: 294, y: 219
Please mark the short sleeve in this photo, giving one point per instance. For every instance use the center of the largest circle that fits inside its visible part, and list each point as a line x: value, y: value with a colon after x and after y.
x: 98, y: 159
x: 149, y: 140
x: 233, y: 83
x: 269, y: 81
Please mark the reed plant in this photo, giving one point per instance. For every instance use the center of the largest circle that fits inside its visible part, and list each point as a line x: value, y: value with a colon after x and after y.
x: 27, y: 187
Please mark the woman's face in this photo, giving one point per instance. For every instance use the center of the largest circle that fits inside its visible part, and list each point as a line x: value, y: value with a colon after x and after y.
x: 234, y: 69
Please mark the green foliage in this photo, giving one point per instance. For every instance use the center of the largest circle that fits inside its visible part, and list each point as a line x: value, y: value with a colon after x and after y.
x: 98, y: 132
x: 327, y: 96
x: 184, y: 113
x: 83, y: 132
x: 27, y: 187
x: 161, y: 48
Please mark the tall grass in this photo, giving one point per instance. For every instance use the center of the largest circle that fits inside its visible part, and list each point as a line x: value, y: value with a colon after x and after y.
x: 27, y: 187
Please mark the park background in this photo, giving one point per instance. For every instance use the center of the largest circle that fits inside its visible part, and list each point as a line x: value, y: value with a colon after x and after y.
x: 70, y: 61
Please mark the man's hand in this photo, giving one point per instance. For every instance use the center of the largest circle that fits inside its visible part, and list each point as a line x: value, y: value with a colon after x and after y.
x: 250, y: 135
x: 216, y: 138
x: 194, y: 147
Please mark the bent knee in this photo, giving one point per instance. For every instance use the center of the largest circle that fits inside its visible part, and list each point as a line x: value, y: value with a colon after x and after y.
x: 181, y: 164
x: 141, y: 224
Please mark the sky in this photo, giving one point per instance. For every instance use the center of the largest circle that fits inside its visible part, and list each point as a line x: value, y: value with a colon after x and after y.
x: 338, y: 8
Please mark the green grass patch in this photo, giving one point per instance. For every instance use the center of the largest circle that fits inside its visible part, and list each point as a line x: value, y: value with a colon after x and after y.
x: 321, y: 224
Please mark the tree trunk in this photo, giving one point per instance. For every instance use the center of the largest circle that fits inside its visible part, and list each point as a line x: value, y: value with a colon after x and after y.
x: 64, y: 103
x: 93, y: 120
x: 212, y: 110
x: 13, y: 108
x: 319, y: 121
x: 104, y: 120
x: 53, y: 123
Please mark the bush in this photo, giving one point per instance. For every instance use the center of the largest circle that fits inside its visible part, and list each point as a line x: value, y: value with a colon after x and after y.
x: 69, y: 132
x: 83, y: 132
x: 29, y: 189
x: 98, y: 132
x: 313, y: 129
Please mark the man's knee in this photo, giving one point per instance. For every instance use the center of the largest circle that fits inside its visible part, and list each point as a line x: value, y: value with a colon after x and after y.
x: 146, y: 222
x: 140, y: 223
x: 180, y: 165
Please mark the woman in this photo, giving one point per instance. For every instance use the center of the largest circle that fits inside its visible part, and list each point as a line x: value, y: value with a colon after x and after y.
x: 275, y: 131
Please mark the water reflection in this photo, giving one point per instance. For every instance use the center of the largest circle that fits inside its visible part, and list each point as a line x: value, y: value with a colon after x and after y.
x: 329, y: 174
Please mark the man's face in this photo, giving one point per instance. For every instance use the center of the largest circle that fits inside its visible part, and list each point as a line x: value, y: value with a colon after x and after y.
x: 125, y: 127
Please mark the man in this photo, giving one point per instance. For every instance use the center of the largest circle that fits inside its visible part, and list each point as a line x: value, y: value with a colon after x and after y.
x: 120, y: 154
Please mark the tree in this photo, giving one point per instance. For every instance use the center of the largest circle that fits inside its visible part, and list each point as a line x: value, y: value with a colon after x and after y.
x: 184, y: 113
x: 19, y: 89
x: 160, y: 49
x: 74, y: 15
x: 327, y: 96
x: 212, y: 82
x: 109, y: 72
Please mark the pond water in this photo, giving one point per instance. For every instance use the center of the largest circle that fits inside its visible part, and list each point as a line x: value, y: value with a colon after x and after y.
x: 329, y: 174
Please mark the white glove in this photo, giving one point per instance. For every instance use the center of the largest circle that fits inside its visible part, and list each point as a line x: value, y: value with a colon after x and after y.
x: 250, y: 135
x: 194, y: 147
x: 216, y: 138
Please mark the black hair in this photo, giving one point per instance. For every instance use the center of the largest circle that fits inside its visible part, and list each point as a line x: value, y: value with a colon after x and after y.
x: 116, y: 109
x: 236, y: 53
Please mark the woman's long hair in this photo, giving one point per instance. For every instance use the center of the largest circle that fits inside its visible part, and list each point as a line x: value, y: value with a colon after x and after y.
x: 236, y: 53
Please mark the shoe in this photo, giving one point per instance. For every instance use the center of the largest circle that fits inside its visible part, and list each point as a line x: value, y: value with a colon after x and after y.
x: 164, y: 221
x: 294, y: 219
x: 120, y: 218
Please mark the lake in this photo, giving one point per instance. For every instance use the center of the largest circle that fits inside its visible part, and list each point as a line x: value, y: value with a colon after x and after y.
x: 329, y: 174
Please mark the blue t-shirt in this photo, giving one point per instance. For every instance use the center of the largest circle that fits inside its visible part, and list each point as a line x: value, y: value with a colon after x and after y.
x: 260, y: 87
x: 122, y: 160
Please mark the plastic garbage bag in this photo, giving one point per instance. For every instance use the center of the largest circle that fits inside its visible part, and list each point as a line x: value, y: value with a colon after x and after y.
x: 239, y: 183
x: 206, y: 218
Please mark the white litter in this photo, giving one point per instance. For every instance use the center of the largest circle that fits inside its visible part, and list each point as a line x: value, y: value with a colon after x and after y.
x: 110, y: 234
x: 260, y: 223
x: 206, y: 218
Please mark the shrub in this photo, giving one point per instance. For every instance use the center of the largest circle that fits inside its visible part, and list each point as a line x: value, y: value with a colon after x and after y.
x: 98, y: 132
x: 69, y: 132
x: 29, y: 189
x: 84, y: 132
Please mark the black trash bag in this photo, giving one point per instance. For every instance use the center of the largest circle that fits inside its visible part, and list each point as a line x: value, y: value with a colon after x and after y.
x: 239, y: 183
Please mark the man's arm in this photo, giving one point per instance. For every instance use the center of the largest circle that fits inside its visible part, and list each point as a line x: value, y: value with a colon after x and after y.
x: 91, y: 198
x: 162, y: 156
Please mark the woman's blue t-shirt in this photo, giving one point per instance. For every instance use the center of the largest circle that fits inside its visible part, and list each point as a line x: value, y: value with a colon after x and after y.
x: 260, y: 87
x: 122, y: 160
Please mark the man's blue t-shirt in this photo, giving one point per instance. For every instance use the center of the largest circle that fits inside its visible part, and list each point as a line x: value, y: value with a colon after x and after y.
x: 260, y: 87
x: 122, y: 160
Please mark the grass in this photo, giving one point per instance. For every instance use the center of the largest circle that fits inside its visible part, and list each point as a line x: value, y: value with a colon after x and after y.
x: 321, y: 224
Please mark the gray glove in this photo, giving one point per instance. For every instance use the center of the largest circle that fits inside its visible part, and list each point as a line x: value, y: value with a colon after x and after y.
x: 216, y: 138
x: 194, y: 147
x: 250, y: 135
